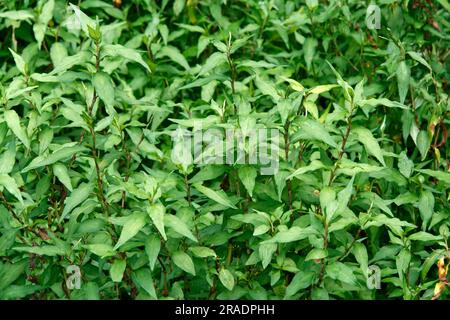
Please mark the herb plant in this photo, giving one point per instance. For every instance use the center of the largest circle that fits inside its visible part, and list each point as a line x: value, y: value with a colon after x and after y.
x: 102, y: 198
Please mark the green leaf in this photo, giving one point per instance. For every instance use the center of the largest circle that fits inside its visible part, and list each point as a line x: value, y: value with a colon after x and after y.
x: 340, y: 271
x: 13, y: 122
x: 82, y: 18
x: 70, y: 61
x: 266, y: 88
x: 226, y: 278
x: 178, y: 6
x: 327, y: 201
x: 316, y: 254
x: 293, y: 234
x: 105, y: 122
x: 101, y: 249
x: 426, y: 207
x: 175, y: 55
x: 183, y: 261
x: 143, y: 278
x: 156, y: 212
x: 284, y: 107
x: 62, y: 174
x: 295, y: 85
x: 47, y: 12
x: 443, y: 176
x: 19, y: 291
x: 152, y: 248
x: 105, y: 89
x: 359, y: 250
x: 117, y: 269
x: 322, y: 88
x: 424, y: 236
x: 405, y: 165
x: 11, y: 185
x: 208, y: 173
x: 314, y: 165
x: 266, y: 251
x: 178, y: 226
x: 43, y: 19
x: 8, y: 159
x: 445, y: 4
x: 428, y: 263
x: 416, y: 56
x: 423, y: 143
x: 79, y: 195
x: 313, y: 130
x: 300, y: 281
x: 134, y: 223
x: 309, y: 50
x: 17, y: 15
x: 219, y: 197
x: 58, y: 52
x: 202, y: 252
x: 203, y: 42
x: 115, y: 50
x: 402, y: 261
x: 345, y: 194
x: 62, y: 153
x: 403, y: 74
x: 370, y: 143
x: 248, y: 175
x: 311, y: 107
x: 214, y: 60
x: 44, y: 250
x: 384, y: 102
x: 20, y: 63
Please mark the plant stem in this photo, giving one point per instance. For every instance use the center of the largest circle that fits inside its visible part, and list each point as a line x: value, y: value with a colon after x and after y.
x: 232, y: 69
x: 188, y: 189
x: 101, y: 195
x: 9, y: 207
x: 332, y: 176
x: 100, y: 184
x: 341, y: 153
x: 286, y: 154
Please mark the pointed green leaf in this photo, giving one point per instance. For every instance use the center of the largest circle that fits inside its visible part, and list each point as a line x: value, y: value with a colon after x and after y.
x: 156, y: 213
x: 58, y: 155
x: 178, y: 226
x: 105, y: 89
x: 20, y: 63
x: 13, y: 121
x: 62, y: 174
x: 11, y: 185
x: 8, y: 159
x: 403, y: 75
x: 219, y: 197
x: 175, y: 55
x: 183, y: 261
x: 152, y: 248
x: 79, y: 195
x: 248, y: 175
x: 370, y: 143
x: 132, y: 226
x: 117, y: 269
x: 227, y: 279
x: 310, y: 129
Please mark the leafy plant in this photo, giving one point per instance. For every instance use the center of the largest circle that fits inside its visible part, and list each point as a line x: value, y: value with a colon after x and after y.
x: 96, y: 96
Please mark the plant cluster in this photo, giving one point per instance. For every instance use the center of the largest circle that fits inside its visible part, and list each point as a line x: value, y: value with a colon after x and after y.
x: 94, y: 205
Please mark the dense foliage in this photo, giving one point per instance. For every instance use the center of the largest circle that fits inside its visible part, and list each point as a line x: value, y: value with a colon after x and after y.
x: 93, y: 93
